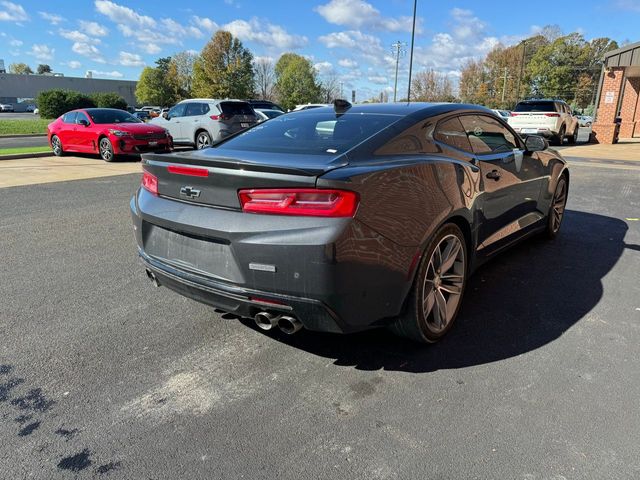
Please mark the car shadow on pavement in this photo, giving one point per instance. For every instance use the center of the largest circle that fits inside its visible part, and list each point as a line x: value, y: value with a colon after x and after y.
x: 521, y: 300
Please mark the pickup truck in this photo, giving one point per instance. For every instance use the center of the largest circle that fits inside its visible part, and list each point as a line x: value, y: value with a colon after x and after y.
x: 552, y: 119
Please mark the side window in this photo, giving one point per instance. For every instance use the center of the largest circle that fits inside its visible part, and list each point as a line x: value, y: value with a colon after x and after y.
x: 196, y: 109
x: 487, y: 135
x: 81, y: 116
x: 177, y: 111
x: 69, y: 117
x: 453, y: 134
x: 411, y: 141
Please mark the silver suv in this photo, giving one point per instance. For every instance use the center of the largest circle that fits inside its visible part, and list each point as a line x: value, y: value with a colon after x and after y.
x: 199, y: 122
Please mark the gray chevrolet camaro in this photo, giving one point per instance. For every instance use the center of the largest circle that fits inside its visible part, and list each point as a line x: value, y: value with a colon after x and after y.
x: 344, y: 218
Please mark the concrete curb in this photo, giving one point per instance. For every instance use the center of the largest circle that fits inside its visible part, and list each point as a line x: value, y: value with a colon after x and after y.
x: 18, y: 156
x: 24, y: 135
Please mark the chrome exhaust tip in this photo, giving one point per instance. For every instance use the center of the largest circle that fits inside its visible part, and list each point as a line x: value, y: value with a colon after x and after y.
x: 289, y: 325
x: 153, y: 278
x: 266, y: 320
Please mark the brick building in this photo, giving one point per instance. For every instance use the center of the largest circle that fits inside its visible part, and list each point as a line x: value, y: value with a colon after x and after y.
x: 619, y: 95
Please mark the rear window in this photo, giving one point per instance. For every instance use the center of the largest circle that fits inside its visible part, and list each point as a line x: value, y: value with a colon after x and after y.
x: 310, y: 132
x: 112, y: 116
x: 535, y: 107
x: 236, y: 108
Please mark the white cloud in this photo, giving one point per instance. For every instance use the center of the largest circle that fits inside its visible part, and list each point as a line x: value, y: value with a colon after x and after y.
x: 123, y: 15
x: 265, y: 33
x: 151, y: 48
x: 93, y: 28
x: 378, y: 79
x: 366, y: 47
x: 15, y: 43
x: 347, y: 63
x: 12, y: 12
x: 205, y: 24
x: 52, y: 18
x: 74, y: 36
x: 112, y: 74
x: 88, y: 50
x: 74, y: 64
x: 358, y: 13
x: 127, y: 59
x: 42, y: 52
x: 323, y: 67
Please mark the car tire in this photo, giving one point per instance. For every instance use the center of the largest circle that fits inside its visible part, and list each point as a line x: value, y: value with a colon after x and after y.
x: 557, y: 208
x: 559, y: 139
x: 573, y: 139
x: 106, y: 150
x: 436, y: 296
x: 56, y: 146
x: 203, y: 140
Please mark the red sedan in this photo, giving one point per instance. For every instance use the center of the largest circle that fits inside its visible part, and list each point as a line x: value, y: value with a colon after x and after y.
x: 107, y: 132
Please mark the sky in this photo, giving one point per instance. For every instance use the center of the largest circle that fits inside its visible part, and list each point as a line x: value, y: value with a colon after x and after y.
x: 350, y: 39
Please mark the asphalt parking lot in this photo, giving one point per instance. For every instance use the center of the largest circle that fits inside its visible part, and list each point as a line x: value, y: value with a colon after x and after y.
x: 103, y: 375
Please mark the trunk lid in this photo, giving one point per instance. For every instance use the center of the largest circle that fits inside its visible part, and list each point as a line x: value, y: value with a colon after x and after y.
x: 211, y: 178
x: 237, y: 116
x: 533, y: 120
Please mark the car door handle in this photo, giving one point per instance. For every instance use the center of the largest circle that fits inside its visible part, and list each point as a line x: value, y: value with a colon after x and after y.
x: 495, y: 174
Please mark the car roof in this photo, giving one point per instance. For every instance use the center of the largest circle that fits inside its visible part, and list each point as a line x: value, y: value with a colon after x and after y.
x: 422, y: 109
x: 212, y: 100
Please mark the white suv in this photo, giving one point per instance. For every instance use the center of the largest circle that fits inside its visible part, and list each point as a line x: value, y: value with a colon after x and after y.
x: 199, y: 122
x: 552, y: 119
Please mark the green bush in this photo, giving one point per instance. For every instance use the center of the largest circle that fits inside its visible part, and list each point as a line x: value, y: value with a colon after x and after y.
x: 109, y: 100
x: 53, y: 103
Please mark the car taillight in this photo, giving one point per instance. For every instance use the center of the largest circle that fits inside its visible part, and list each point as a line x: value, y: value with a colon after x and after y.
x: 513, y: 114
x: 299, y: 201
x: 149, y: 182
x: 190, y: 171
x: 222, y: 116
x: 551, y: 114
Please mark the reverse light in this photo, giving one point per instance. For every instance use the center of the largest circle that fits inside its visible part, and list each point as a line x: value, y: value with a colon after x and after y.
x: 308, y: 202
x: 190, y: 171
x: 119, y: 133
x: 149, y: 182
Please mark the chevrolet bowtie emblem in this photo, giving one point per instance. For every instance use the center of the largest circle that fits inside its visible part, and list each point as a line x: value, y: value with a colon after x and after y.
x: 189, y: 192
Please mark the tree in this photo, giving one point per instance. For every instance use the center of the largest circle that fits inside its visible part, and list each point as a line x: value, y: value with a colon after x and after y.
x: 296, y: 81
x: 20, y: 69
x: 181, y: 67
x: 43, y: 68
x: 108, y: 100
x: 265, y: 77
x: 53, y: 103
x: 330, y: 88
x: 224, y: 69
x: 157, y: 85
x: 431, y: 86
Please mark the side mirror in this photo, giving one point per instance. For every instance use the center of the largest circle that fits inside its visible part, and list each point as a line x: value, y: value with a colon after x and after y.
x: 84, y: 122
x: 535, y: 143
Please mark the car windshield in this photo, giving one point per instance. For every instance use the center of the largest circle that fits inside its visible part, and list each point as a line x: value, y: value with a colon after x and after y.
x: 112, y: 116
x: 535, y: 107
x: 310, y: 132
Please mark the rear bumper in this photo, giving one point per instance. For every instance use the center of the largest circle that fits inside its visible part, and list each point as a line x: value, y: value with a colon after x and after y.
x: 334, y: 275
x: 544, y: 132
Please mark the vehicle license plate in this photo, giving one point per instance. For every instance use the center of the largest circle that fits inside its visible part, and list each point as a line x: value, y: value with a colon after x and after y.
x: 244, y: 125
x: 153, y: 144
x: 529, y: 130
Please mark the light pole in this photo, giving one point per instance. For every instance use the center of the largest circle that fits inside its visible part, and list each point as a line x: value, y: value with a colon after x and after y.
x: 399, y: 49
x: 413, y: 34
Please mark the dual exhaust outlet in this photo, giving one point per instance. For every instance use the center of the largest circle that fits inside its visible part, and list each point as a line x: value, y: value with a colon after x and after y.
x: 267, y: 321
x: 264, y: 320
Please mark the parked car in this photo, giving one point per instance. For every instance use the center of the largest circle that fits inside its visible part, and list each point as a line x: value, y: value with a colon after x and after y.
x: 106, y: 131
x: 203, y: 121
x: 585, y: 120
x: 379, y: 223
x: 266, y: 114
x: 6, y: 107
x: 308, y: 106
x: 264, y: 104
x: 36, y: 111
x: 504, y: 114
x: 30, y: 108
x: 553, y: 119
x: 151, y: 109
x: 142, y: 115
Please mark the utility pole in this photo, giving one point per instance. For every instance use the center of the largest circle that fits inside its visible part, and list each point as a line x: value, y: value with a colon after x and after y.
x: 413, y: 34
x: 504, y: 83
x: 341, y: 94
x: 399, y: 49
x: 524, y: 52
